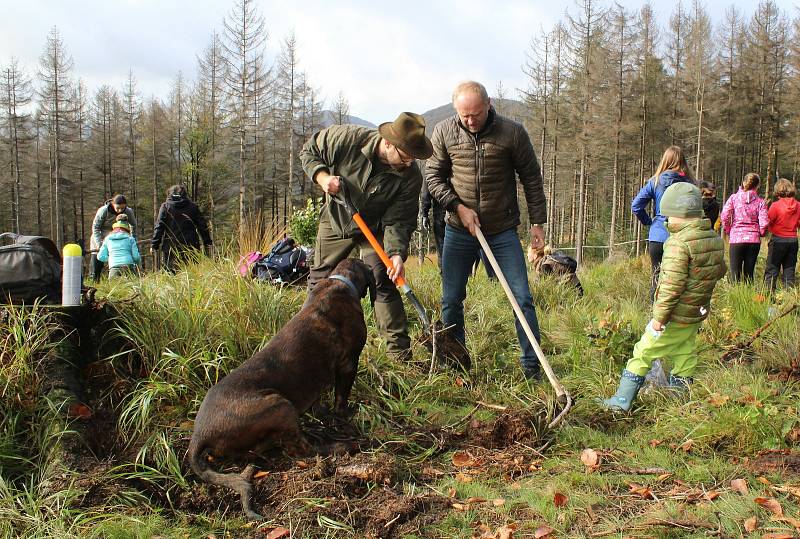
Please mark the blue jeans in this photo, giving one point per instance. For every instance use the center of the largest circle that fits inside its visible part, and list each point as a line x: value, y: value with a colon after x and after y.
x: 459, y: 254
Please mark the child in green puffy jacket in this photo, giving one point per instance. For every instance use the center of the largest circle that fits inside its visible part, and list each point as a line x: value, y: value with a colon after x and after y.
x: 119, y: 249
x: 693, y: 263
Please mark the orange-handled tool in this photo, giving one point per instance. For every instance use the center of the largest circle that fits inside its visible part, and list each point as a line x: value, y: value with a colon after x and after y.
x: 343, y: 198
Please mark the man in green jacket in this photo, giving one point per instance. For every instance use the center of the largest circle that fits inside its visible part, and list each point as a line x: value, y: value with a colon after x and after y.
x: 384, y: 182
x: 693, y: 262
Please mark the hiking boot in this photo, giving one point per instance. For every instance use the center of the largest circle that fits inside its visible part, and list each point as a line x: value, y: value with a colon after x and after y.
x: 534, y: 374
x: 629, y: 385
x: 680, y: 384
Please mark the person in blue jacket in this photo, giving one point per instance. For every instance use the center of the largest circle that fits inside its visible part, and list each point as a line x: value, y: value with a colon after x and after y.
x: 119, y: 249
x: 671, y: 169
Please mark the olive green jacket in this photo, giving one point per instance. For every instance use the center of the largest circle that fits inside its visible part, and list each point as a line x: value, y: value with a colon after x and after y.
x: 693, y: 262
x: 387, y: 199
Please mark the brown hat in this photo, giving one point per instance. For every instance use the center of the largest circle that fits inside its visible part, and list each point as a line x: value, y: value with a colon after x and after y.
x: 407, y: 132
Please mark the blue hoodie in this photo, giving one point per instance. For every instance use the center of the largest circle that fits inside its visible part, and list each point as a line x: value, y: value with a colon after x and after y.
x: 651, y: 191
x: 119, y: 249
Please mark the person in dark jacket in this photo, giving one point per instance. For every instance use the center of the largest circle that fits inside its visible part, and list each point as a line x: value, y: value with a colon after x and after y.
x: 478, y: 159
x: 179, y: 228
x: 671, y: 169
x: 710, y: 204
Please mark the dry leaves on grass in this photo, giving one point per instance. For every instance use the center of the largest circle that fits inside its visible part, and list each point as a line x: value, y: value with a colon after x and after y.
x: 751, y: 524
x: 778, y: 535
x: 718, y: 400
x: 795, y: 523
x: 465, y: 459
x: 543, y: 532
x: 503, y: 532
x: 770, y: 504
x: 276, y: 533
x: 641, y: 490
x: 560, y: 500
x: 740, y: 486
x: 590, y: 459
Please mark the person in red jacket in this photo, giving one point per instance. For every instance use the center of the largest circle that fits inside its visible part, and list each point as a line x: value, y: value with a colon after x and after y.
x: 784, y: 220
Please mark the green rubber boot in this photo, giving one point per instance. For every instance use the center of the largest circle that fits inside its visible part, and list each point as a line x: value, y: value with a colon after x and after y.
x: 629, y: 385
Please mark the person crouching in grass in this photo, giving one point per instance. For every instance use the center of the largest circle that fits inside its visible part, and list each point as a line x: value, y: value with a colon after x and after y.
x: 693, y: 263
x: 119, y: 249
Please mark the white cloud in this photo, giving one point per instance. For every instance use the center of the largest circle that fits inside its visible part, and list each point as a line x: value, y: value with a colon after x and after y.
x: 386, y: 58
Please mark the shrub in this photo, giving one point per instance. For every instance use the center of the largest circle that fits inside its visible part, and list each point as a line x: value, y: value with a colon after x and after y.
x: 304, y: 223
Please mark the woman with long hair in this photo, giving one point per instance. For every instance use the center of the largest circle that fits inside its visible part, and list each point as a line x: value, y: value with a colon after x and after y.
x: 671, y: 169
x: 744, y: 219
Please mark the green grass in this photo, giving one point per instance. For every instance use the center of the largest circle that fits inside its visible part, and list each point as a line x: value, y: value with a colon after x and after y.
x: 178, y: 335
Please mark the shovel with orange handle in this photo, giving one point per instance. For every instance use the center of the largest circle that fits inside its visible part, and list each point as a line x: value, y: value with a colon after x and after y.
x: 450, y: 349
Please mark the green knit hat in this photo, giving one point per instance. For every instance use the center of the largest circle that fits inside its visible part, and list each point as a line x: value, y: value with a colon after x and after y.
x: 682, y: 199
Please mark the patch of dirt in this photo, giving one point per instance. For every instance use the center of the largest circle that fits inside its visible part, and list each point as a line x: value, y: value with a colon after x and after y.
x: 508, y: 429
x: 785, y: 462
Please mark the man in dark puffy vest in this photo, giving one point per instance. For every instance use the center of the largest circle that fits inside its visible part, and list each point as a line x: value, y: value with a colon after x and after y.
x: 478, y: 157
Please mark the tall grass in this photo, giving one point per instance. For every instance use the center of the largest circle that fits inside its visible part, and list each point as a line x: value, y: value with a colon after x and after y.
x: 184, y: 332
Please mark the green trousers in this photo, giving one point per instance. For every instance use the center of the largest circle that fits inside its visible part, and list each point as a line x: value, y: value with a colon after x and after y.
x: 390, y: 315
x: 676, y: 344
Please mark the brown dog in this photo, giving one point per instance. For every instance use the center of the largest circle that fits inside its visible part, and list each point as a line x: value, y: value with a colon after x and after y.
x: 258, y: 404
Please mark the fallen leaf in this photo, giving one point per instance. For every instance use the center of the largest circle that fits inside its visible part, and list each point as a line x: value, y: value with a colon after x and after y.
x: 459, y: 506
x: 497, y: 502
x: 751, y: 524
x: 506, y: 532
x: 302, y: 464
x: 259, y: 475
x: 740, y: 486
x: 764, y: 480
x: 535, y: 465
x: 560, y: 500
x: 463, y: 459
x: 780, y: 535
x: 463, y: 478
x: 794, y: 491
x: 711, y: 495
x: 788, y: 520
x: 542, y: 532
x: 459, y: 381
x: 718, y: 400
x: 590, y: 458
x: 451, y: 492
x: 663, y: 476
x: 640, y: 490
x: 277, y: 533
x: 655, y: 443
x: 687, y: 445
x: 770, y: 504
x: 475, y: 499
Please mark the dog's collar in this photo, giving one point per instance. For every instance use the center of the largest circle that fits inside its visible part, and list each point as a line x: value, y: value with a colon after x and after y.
x: 348, y: 282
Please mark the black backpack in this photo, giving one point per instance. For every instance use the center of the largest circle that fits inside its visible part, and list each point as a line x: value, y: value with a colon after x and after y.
x: 30, y: 269
x: 286, y: 263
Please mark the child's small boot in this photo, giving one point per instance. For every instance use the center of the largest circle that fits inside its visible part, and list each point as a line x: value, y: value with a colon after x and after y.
x: 680, y: 384
x: 629, y: 385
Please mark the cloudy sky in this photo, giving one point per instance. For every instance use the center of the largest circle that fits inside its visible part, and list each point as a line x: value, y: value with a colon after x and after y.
x: 385, y: 57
